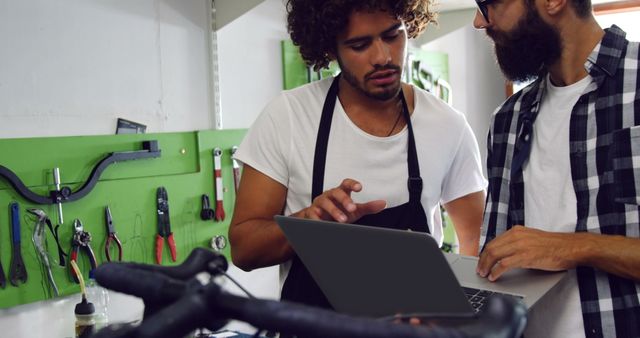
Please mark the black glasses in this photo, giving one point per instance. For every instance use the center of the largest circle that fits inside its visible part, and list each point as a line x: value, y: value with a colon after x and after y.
x: 482, y: 5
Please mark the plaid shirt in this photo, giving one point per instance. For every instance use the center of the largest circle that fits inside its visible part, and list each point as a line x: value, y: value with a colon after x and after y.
x: 604, y: 143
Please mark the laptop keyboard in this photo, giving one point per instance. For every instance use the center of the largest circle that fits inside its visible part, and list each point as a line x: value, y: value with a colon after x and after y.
x: 477, y: 298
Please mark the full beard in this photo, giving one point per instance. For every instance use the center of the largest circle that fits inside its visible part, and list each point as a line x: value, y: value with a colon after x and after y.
x: 528, y: 50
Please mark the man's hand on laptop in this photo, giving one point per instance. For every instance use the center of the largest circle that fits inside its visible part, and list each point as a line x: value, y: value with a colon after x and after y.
x: 523, y: 247
x: 336, y: 204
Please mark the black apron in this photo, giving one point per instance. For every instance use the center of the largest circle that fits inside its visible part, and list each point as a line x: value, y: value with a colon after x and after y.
x: 299, y: 285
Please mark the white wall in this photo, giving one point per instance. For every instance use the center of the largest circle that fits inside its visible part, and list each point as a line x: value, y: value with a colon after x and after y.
x: 250, y: 63
x: 71, y: 67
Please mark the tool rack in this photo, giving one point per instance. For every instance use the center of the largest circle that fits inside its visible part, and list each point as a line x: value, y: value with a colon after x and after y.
x: 184, y: 168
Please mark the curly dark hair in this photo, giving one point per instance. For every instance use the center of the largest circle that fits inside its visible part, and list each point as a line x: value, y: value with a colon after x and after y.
x: 315, y: 24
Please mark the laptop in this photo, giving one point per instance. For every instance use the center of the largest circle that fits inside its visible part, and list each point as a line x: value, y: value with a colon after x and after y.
x: 377, y: 272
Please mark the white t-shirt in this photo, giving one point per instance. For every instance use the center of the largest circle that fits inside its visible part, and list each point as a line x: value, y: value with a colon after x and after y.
x: 550, y: 204
x: 281, y: 145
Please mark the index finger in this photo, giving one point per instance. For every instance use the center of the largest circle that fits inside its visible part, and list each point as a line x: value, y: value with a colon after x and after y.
x: 350, y: 185
x: 500, y: 268
x: 489, y: 258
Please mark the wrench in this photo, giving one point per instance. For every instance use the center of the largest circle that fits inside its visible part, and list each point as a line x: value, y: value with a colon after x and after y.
x: 17, y: 271
x: 40, y: 242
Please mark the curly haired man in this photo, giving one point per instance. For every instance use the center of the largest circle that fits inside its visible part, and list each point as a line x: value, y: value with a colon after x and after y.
x: 362, y: 147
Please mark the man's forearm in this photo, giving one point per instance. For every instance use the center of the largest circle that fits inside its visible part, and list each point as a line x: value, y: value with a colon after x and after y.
x: 466, y: 215
x: 469, y: 246
x: 258, y: 243
x: 617, y: 255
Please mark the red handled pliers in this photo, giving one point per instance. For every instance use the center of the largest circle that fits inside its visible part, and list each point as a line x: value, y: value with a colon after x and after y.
x: 111, y: 236
x: 164, y: 226
x: 81, y: 240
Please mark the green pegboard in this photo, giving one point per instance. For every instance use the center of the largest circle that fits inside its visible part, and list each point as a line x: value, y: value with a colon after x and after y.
x: 185, y: 169
x: 295, y: 72
x: 435, y: 63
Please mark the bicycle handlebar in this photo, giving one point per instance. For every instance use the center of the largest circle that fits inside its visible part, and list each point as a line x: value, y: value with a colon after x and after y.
x: 187, y: 305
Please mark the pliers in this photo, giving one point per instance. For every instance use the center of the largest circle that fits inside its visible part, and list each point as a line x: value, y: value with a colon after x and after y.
x: 111, y: 236
x: 40, y: 242
x: 81, y: 240
x: 164, y: 226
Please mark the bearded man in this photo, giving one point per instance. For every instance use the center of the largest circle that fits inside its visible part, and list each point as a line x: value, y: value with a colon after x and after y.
x: 562, y: 159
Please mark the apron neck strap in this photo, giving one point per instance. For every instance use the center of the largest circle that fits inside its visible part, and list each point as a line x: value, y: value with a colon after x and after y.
x: 322, y: 140
x: 414, y: 183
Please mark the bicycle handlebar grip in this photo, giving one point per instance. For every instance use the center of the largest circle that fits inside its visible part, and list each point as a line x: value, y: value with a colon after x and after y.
x: 148, y: 285
x: 199, y: 260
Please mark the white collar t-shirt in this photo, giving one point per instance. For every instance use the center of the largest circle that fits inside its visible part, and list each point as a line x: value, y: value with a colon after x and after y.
x: 281, y: 145
x: 550, y: 204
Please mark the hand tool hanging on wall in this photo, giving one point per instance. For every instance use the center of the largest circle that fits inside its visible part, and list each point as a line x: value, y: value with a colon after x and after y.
x: 17, y: 271
x: 81, y: 241
x: 65, y: 194
x: 111, y: 236
x: 236, y: 169
x: 56, y: 182
x: 217, y: 170
x: 44, y: 219
x: 40, y: 242
x: 206, y: 213
x: 164, y: 226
